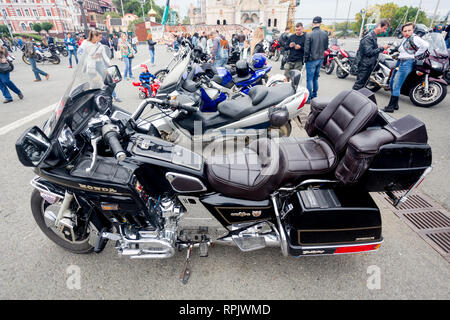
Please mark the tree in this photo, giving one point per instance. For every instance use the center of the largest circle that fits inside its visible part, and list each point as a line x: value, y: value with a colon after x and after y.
x: 37, y: 27
x: 112, y: 14
x: 4, y: 29
x: 47, y: 26
x: 132, y: 25
x: 134, y: 7
x: 186, y: 20
x: 399, y: 17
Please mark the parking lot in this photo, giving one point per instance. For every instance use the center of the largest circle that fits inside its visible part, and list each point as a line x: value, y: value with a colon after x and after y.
x: 32, y: 266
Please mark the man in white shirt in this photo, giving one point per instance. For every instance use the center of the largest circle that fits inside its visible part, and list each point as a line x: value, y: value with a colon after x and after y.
x: 411, y: 48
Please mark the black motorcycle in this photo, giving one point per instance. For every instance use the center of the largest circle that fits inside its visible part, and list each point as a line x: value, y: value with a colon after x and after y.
x: 425, y: 85
x: 99, y: 178
x: 43, y: 54
x: 62, y: 49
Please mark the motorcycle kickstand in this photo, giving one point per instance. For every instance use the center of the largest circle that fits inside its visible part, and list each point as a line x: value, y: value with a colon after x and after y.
x: 187, y: 270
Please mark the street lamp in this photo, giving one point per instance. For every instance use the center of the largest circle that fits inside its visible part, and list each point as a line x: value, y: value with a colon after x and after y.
x: 142, y: 5
x: 86, y: 29
x: 60, y: 19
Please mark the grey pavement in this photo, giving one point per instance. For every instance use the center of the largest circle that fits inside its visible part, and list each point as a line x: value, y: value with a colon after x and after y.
x: 34, y: 267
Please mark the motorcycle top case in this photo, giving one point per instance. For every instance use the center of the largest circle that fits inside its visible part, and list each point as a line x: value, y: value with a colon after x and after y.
x: 332, y: 217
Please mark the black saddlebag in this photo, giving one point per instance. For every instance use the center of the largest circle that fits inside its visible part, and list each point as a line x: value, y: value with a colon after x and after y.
x: 332, y: 216
x: 397, y: 166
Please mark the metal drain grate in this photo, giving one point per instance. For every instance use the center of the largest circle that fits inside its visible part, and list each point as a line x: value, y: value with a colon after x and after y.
x: 426, y: 217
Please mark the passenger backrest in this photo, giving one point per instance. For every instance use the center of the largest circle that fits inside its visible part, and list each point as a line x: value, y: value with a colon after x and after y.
x: 346, y: 115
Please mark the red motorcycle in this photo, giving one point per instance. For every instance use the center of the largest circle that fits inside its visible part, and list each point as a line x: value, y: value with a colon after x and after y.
x: 274, y: 50
x: 143, y: 91
x: 328, y: 57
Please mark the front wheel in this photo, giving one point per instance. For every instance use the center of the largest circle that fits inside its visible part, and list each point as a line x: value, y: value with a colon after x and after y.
x: 38, y: 208
x: 276, y: 56
x: 436, y: 93
x: 25, y: 59
x: 161, y: 74
x: 341, y: 73
x: 64, y: 53
x: 330, y: 67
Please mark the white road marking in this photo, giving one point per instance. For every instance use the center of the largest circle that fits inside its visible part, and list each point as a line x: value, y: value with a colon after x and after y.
x: 18, y: 123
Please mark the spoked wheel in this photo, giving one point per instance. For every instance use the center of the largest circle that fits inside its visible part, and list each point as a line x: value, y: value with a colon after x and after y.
x: 436, y: 93
x: 161, y: 74
x: 330, y: 67
x: 38, y: 207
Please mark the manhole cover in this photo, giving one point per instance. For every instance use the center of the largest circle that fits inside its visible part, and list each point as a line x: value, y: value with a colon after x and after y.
x: 426, y: 217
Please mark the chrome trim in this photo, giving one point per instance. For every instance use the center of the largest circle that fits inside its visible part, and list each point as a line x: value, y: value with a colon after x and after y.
x: 42, y: 188
x: 283, y: 239
x: 309, y: 181
x: 170, y: 176
x: 335, y: 247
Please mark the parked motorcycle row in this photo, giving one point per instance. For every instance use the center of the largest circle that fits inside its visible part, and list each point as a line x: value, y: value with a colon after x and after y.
x: 426, y: 86
x: 106, y: 174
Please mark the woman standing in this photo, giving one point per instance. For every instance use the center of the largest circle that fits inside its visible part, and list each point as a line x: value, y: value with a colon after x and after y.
x: 151, y: 48
x: 257, y: 45
x: 5, y: 81
x: 94, y: 65
x: 71, y: 45
x: 127, y: 55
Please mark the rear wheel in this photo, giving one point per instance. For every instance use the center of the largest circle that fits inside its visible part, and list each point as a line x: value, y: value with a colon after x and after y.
x: 64, y: 53
x: 38, y: 208
x: 283, y: 131
x: 436, y: 93
x: 341, y: 73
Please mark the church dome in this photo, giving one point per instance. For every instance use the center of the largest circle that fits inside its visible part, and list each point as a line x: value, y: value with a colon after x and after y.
x: 152, y: 13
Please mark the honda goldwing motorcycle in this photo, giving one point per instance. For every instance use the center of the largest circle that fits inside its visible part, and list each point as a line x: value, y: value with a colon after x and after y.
x: 100, y: 179
x: 425, y: 85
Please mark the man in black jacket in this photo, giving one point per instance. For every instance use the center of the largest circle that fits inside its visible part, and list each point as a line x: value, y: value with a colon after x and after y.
x: 368, y: 54
x: 315, y: 45
x: 284, y: 43
x: 295, y: 46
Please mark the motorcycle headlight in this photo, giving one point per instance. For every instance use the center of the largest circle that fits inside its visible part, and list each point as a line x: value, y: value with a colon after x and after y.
x: 436, y: 65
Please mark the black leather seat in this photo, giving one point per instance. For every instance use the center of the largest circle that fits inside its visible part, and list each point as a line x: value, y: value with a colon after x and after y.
x: 259, y: 97
x: 257, y: 171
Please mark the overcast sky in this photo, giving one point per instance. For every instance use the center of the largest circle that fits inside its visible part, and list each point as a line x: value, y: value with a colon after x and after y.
x: 308, y: 9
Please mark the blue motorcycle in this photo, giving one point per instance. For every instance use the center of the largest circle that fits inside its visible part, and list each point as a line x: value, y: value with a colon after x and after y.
x: 222, y: 84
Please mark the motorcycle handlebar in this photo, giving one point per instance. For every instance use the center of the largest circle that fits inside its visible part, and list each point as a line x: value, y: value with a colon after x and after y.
x: 111, y: 136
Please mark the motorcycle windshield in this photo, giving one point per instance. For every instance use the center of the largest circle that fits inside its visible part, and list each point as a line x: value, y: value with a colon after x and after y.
x: 89, y: 74
x: 437, y: 44
x: 175, y: 75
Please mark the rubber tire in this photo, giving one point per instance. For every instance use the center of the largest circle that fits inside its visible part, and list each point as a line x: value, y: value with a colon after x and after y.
x: 25, y: 59
x: 375, y: 87
x: 142, y: 95
x: 277, y: 55
x: 36, y: 202
x: 284, y: 131
x: 437, y: 101
x: 65, y: 53
x: 342, y: 74
x: 163, y: 72
x: 331, y: 67
x: 55, y: 60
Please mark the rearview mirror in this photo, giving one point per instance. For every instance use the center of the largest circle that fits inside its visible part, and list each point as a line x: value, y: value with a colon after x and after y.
x: 32, y: 147
x: 113, y: 75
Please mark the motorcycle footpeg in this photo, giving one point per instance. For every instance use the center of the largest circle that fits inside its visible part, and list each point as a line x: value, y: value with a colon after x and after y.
x: 101, y: 241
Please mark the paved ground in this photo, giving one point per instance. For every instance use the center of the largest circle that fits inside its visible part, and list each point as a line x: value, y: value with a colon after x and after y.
x: 34, y: 267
